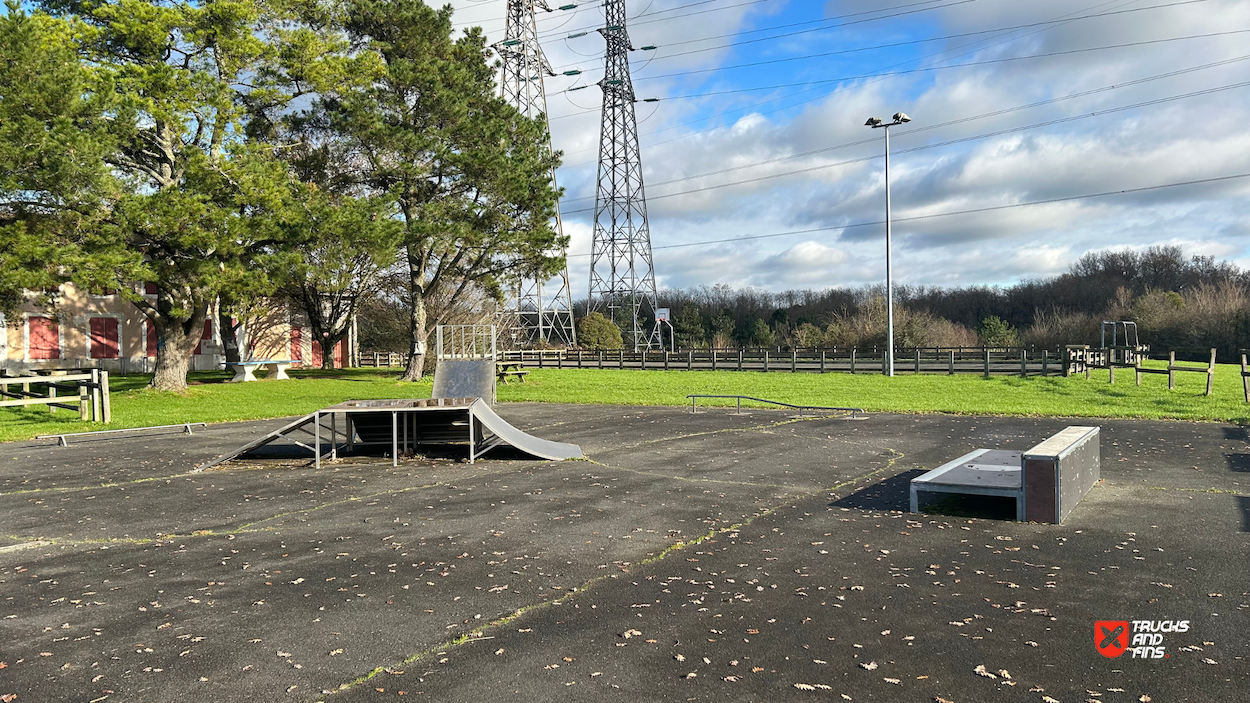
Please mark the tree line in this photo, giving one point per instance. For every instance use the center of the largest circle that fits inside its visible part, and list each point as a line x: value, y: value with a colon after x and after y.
x: 1178, y: 302
x: 224, y: 154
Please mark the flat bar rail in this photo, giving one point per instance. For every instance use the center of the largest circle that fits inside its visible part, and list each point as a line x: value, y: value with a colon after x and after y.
x: 855, y: 412
x: 186, y: 429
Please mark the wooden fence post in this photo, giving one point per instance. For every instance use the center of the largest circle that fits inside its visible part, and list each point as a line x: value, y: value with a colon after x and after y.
x: 852, y: 361
x: 1045, y: 362
x: 950, y: 367
x: 1245, y: 378
x: 84, y: 411
x: 822, y: 360
x: 106, y: 400
x: 1171, y: 375
x: 794, y: 360
x: 95, y: 395
x: 739, y: 358
x: 1210, y: 374
x: 1024, y: 362
x: 621, y: 360
x: 987, y: 362
x: 713, y: 358
x: 765, y: 360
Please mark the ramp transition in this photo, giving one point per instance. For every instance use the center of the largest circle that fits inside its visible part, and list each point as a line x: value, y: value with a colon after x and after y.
x: 406, y: 425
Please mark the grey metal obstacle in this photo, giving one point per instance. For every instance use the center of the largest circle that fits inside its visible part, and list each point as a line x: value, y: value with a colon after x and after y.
x: 465, y: 357
x: 404, y: 425
x: 855, y: 413
x: 61, y: 438
x: 1046, y: 481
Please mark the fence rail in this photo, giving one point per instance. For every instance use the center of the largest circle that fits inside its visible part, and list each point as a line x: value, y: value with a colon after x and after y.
x: 88, y: 392
x: 950, y: 360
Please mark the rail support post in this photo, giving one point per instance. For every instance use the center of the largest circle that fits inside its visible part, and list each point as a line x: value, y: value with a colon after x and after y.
x: 1245, y: 378
x: 1171, y: 374
x: 1211, y: 374
x: 987, y: 362
x: 950, y: 363
x: 852, y: 361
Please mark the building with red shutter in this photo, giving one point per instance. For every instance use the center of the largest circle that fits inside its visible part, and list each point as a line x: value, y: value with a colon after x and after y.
x: 104, y: 330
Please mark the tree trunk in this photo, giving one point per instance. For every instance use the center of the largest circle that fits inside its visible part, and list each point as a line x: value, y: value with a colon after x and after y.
x: 328, y: 345
x: 417, y: 320
x: 175, y: 342
x: 229, y: 337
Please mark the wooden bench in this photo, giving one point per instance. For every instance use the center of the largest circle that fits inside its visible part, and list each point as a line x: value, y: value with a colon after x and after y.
x: 245, y: 371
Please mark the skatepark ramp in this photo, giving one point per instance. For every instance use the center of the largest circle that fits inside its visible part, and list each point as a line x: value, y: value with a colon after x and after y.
x: 405, y: 425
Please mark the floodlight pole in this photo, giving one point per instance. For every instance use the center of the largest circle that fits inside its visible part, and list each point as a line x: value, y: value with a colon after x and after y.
x: 889, y: 268
x: 887, y: 366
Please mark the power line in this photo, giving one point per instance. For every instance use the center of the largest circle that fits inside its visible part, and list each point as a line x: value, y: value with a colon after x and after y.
x: 961, y: 120
x: 971, y: 211
x: 985, y: 62
x: 911, y: 42
x: 936, y: 145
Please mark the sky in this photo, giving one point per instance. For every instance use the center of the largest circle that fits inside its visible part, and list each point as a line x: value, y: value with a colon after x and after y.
x: 759, y: 130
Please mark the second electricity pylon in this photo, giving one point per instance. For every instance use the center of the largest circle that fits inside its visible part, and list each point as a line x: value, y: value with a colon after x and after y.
x: 537, y: 318
x: 622, y: 277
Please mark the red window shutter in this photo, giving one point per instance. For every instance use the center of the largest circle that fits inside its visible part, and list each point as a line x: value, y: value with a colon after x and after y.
x: 317, y: 355
x: 297, y: 344
x: 149, y: 289
x: 208, y: 334
x: 338, y: 353
x: 103, y: 331
x: 151, y: 339
x: 45, y: 338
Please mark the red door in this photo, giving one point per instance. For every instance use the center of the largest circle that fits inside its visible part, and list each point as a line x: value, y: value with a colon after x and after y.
x: 317, y: 356
x: 45, y: 338
x: 103, y: 331
x: 338, y: 353
x: 297, y: 345
x: 207, y: 334
x: 150, y: 346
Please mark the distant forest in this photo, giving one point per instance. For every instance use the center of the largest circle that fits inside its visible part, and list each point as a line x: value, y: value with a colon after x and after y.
x: 1178, y: 302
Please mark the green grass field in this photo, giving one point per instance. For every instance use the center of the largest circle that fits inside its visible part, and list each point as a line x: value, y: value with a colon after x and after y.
x: 213, y: 400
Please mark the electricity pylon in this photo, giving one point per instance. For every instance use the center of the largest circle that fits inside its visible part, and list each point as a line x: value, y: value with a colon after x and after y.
x: 537, y: 318
x: 622, y: 277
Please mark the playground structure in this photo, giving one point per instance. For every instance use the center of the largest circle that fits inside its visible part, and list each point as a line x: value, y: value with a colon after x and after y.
x: 1046, y: 481
x: 88, y: 392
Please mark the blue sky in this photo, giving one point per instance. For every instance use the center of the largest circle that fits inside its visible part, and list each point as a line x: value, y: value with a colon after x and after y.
x: 1073, y: 123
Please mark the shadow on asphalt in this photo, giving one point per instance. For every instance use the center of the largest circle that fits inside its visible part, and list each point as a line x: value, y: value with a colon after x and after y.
x: 1244, y: 503
x: 893, y: 493
x: 1238, y: 462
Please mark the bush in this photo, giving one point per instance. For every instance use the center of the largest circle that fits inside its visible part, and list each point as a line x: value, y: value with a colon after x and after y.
x: 994, y: 332
x: 598, y: 332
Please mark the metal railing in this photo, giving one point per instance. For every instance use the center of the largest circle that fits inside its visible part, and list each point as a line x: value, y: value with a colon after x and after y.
x: 856, y: 413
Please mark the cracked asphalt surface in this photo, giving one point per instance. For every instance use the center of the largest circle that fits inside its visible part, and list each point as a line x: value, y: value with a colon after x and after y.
x: 691, y: 557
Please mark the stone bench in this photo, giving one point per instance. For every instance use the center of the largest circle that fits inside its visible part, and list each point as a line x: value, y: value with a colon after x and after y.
x: 245, y: 371
x: 1046, y: 481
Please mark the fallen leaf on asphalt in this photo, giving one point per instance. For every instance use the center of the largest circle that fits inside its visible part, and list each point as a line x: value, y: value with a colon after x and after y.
x: 870, y: 665
x: 499, y: 651
x: 1003, y: 673
x: 680, y: 657
x: 1144, y: 698
x: 1207, y: 660
x: 890, y: 680
x: 805, y: 687
x: 1048, y: 699
x: 691, y: 675
x: 982, y: 671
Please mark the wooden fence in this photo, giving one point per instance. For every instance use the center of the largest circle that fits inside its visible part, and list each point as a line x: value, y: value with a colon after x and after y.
x: 937, y: 360
x: 381, y: 359
x: 83, y: 390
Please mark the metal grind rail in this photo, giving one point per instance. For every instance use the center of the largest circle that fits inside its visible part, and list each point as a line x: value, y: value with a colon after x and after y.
x: 856, y: 413
x: 186, y: 429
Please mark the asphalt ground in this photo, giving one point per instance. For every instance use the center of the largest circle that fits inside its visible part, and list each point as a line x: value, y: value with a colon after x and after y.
x: 690, y: 558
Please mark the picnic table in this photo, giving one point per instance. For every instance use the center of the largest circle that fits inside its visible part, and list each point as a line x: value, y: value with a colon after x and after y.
x: 245, y: 371
x: 508, y: 369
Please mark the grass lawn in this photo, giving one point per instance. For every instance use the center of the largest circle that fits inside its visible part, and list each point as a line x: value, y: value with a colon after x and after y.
x: 211, y: 399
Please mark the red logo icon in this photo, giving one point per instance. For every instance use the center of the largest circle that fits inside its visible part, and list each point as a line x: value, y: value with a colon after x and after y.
x: 1111, y: 637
